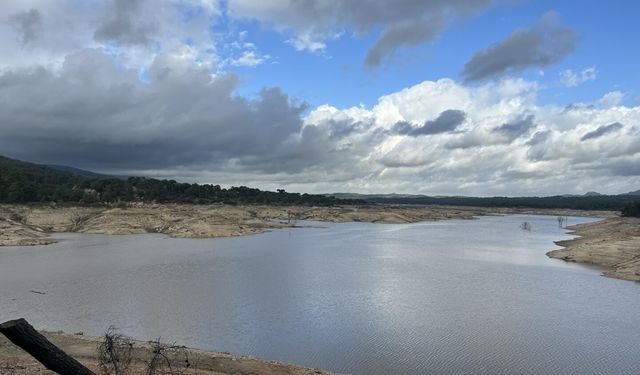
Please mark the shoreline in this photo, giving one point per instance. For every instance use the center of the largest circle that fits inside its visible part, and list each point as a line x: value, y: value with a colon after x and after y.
x: 22, y: 225
x: 613, y: 243
x: 31, y: 225
x: 15, y: 361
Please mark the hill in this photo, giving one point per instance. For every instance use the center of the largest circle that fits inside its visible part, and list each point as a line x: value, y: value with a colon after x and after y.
x: 576, y: 202
x: 23, y: 182
x: 82, y: 172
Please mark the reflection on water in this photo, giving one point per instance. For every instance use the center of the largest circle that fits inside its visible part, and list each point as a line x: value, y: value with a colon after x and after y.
x: 476, y: 296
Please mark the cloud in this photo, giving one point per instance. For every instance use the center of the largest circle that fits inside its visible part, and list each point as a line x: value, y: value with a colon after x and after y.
x: 28, y: 24
x: 570, y: 79
x: 403, y: 23
x: 126, y: 24
x: 94, y: 114
x: 611, y: 99
x: 447, y: 121
x: 546, y: 43
x: 187, y: 121
x: 602, y: 130
x: 515, y: 129
x: 249, y: 59
x: 132, y: 31
x: 491, y: 152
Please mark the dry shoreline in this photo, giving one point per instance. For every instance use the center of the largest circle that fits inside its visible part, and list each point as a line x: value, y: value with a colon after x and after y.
x: 30, y: 225
x: 613, y: 243
x: 22, y: 225
x: 15, y: 361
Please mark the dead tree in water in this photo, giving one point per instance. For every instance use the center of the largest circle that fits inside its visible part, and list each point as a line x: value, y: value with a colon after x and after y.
x: 22, y: 334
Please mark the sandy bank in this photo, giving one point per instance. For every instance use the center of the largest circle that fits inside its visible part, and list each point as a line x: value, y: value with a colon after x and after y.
x: 14, y: 361
x: 613, y: 243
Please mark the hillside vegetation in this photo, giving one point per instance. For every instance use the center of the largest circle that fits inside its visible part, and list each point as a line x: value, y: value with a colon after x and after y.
x: 588, y: 202
x: 22, y: 182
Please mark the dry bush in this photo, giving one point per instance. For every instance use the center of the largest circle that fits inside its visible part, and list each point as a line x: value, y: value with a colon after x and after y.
x: 168, y: 359
x: 115, y: 353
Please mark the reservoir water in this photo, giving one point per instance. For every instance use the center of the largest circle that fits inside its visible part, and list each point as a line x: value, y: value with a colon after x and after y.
x: 459, y: 296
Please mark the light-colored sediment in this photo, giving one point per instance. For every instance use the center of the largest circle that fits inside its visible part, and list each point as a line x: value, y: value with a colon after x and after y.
x: 613, y: 243
x: 14, y: 232
x: 14, y: 361
x: 28, y: 225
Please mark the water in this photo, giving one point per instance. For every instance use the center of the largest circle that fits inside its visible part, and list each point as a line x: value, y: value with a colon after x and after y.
x: 465, y: 297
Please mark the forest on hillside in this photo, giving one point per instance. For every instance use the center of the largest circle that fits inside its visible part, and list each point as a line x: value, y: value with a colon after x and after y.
x: 22, y: 182
x: 598, y: 202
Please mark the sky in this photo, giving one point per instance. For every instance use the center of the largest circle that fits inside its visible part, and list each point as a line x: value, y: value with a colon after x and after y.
x: 436, y: 97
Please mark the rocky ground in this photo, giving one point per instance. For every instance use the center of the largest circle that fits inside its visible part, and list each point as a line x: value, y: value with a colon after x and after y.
x: 29, y: 225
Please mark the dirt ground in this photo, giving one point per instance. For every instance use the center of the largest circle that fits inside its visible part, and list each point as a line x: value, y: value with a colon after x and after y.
x: 613, y: 243
x: 14, y: 361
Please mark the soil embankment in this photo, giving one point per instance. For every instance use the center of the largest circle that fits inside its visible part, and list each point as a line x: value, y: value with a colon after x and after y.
x: 613, y: 243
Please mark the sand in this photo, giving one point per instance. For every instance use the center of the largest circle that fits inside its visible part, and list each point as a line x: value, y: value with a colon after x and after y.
x: 613, y: 243
x: 14, y: 361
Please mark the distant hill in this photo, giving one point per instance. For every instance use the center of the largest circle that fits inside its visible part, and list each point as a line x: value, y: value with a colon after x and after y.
x: 83, y: 173
x: 373, y: 196
x: 22, y: 182
x: 592, y: 194
x: 637, y: 192
x: 76, y: 171
x: 590, y: 201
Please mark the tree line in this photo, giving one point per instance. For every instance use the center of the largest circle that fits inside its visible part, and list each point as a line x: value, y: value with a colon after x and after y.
x: 22, y: 182
x: 599, y: 202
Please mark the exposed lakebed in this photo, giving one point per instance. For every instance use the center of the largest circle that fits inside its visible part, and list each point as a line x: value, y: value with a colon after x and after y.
x: 457, y: 296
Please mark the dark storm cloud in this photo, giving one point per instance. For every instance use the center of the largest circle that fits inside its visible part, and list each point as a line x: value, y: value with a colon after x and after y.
x: 28, y: 25
x: 516, y: 128
x: 447, y: 121
x: 544, y: 44
x: 602, y: 130
x: 94, y: 114
x: 125, y: 24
